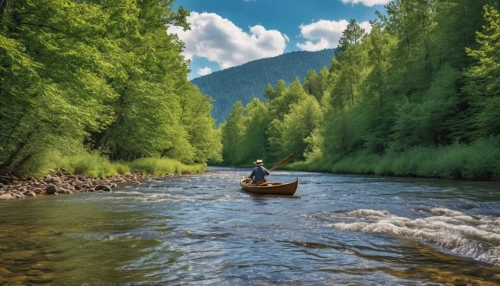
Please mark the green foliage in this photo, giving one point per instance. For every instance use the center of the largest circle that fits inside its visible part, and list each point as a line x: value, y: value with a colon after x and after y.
x: 233, y: 131
x: 359, y: 164
x: 104, y: 74
x: 484, y: 84
x: 348, y: 68
x: 286, y: 97
x: 269, y: 93
x: 253, y: 143
x: 321, y: 165
x: 478, y: 160
x: 417, y: 96
x: 164, y: 166
x: 82, y: 162
x: 253, y: 132
x: 203, y: 139
x: 298, y: 126
x: 78, y: 160
x: 428, y: 122
x: 315, y: 84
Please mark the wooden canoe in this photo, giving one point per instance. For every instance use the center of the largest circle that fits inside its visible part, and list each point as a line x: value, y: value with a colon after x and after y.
x: 270, y: 188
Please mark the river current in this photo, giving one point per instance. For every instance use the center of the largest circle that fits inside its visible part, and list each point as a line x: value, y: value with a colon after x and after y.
x: 204, y: 230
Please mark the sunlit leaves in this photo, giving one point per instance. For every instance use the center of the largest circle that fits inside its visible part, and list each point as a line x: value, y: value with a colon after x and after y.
x: 485, y: 75
x: 101, y: 73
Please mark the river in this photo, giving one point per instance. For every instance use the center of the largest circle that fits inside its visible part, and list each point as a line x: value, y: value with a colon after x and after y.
x: 203, y: 230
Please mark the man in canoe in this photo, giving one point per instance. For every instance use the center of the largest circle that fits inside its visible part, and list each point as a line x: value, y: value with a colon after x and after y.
x: 259, y: 173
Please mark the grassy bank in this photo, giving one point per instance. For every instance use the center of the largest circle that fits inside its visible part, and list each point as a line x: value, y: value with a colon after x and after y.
x: 477, y: 161
x: 94, y: 165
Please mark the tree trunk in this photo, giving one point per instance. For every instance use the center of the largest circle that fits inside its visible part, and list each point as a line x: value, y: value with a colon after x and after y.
x: 6, y: 166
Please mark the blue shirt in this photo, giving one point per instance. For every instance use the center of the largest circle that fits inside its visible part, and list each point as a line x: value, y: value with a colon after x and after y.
x: 258, y: 174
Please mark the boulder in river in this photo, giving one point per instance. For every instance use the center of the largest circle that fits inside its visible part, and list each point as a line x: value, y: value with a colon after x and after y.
x: 39, y: 191
x: 6, y: 197
x: 30, y: 193
x: 100, y: 187
x: 51, y: 189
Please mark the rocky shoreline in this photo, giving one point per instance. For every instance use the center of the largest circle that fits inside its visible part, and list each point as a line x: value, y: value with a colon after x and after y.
x: 12, y: 188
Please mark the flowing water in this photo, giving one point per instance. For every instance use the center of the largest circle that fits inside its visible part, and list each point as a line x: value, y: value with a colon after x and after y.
x: 203, y: 230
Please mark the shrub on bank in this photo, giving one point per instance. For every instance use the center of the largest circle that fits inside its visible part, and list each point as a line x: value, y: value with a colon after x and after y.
x: 479, y: 160
x: 81, y: 162
x: 77, y: 161
x: 164, y: 166
x: 476, y: 161
x: 359, y: 164
x: 321, y: 165
x: 315, y: 166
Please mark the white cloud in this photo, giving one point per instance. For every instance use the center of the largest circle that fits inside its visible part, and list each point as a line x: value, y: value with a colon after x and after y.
x: 220, y: 40
x: 204, y: 71
x: 366, y: 26
x: 369, y: 3
x: 286, y: 38
x: 325, y: 34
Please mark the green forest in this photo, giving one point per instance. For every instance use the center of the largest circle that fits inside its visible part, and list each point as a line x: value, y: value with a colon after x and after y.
x: 100, y: 87
x: 90, y: 86
x: 249, y: 80
x: 417, y: 96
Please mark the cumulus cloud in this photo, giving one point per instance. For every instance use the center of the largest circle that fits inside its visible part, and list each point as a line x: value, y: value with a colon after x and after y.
x: 325, y: 34
x: 204, y: 71
x: 369, y: 3
x: 220, y: 40
x: 366, y: 26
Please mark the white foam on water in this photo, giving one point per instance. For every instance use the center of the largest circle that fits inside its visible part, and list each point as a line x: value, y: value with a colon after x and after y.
x: 159, y: 198
x: 368, y: 213
x: 147, y: 197
x: 477, y: 237
x: 128, y: 192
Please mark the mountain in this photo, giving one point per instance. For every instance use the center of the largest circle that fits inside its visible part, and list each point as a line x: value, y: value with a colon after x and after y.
x: 249, y: 80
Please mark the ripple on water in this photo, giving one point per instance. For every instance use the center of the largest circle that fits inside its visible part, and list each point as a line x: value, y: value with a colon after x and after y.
x: 202, y: 230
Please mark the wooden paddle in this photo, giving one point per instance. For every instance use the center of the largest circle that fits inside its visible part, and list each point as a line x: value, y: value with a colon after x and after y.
x: 282, y: 162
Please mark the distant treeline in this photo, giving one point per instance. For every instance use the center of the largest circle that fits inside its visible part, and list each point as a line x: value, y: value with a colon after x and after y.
x: 418, y: 96
x: 80, y: 79
x: 249, y: 80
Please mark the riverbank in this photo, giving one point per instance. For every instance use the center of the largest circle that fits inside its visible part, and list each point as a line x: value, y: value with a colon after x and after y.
x: 478, y: 161
x: 92, y: 176
x: 12, y: 188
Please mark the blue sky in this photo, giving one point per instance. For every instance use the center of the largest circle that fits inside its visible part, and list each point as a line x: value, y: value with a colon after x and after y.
x: 227, y: 33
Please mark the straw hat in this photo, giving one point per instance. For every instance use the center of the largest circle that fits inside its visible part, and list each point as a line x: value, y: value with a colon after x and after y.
x: 258, y: 162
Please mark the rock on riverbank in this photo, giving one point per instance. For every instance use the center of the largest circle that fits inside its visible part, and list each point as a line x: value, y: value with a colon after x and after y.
x: 12, y: 188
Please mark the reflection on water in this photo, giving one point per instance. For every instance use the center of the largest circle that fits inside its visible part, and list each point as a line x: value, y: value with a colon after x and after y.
x: 337, y: 230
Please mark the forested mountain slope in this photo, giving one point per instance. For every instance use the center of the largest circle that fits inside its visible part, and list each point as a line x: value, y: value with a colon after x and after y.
x: 249, y: 80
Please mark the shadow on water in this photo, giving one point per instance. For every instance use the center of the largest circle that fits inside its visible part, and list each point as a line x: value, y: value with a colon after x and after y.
x: 264, y: 196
